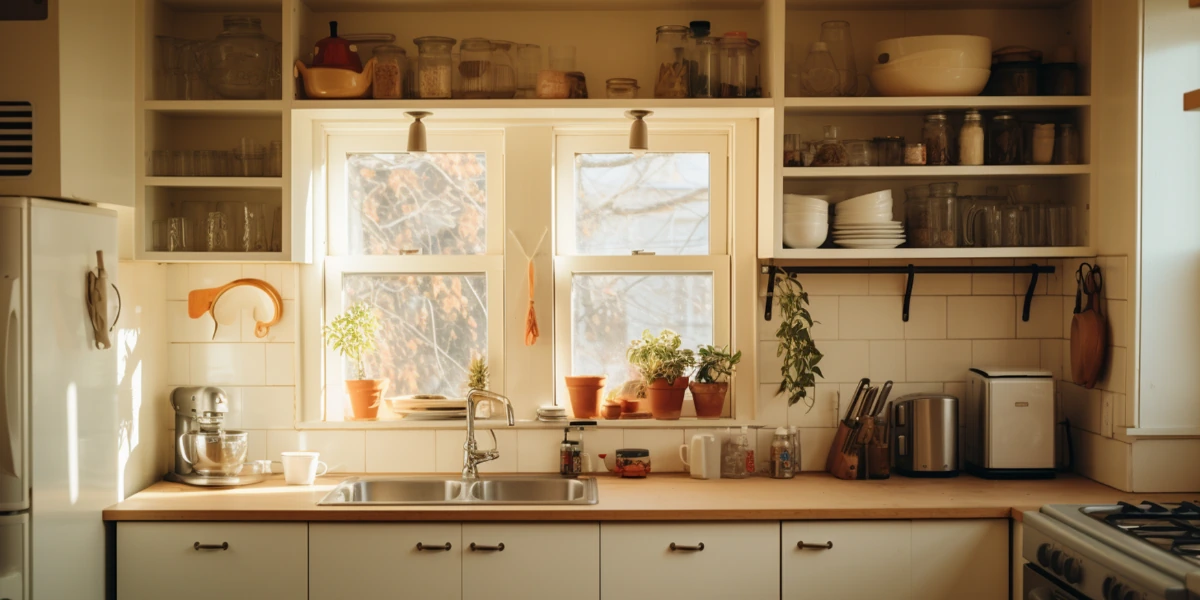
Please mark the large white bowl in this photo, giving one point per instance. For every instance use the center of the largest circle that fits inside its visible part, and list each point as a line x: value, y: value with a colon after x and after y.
x: 940, y: 51
x: 806, y: 218
x: 929, y: 81
x: 875, y: 201
x: 805, y: 234
x: 791, y: 200
x: 787, y: 210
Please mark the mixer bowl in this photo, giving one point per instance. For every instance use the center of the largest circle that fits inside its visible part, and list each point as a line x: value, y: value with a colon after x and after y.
x: 214, y: 453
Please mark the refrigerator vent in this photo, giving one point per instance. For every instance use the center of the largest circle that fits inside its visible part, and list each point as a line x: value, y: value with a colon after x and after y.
x: 16, y: 139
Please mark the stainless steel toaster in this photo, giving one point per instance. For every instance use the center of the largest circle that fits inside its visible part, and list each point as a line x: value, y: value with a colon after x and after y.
x: 1008, y: 424
x: 925, y: 435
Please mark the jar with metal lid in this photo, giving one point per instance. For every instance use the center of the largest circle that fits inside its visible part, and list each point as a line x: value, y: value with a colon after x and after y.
x: 670, y: 52
x: 387, y: 78
x: 1066, y: 147
x: 478, y: 77
x: 889, y: 150
x: 1004, y: 147
x: 936, y: 139
x: 504, y: 83
x: 621, y: 87
x: 706, y: 67
x: 735, y: 65
x: 830, y: 152
x: 753, y: 70
x: 914, y: 154
x: 970, y: 139
x: 434, y: 66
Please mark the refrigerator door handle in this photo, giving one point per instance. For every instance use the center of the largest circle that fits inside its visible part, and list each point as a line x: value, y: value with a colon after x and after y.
x: 8, y: 464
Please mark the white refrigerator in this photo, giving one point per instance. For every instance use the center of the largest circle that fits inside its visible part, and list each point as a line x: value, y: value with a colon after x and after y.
x: 58, y: 401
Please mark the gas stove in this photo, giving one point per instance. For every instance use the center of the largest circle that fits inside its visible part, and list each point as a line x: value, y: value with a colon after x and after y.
x: 1174, y: 527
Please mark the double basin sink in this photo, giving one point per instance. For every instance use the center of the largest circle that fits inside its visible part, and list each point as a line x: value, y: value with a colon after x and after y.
x: 367, y: 491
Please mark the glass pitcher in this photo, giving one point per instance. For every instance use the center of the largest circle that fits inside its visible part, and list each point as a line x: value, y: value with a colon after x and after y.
x: 238, y: 63
x: 836, y: 35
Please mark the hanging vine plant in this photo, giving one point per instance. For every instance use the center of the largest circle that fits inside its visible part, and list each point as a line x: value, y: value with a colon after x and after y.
x: 796, y: 346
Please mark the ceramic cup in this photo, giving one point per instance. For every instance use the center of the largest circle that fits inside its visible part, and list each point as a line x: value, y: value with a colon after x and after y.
x: 300, y: 468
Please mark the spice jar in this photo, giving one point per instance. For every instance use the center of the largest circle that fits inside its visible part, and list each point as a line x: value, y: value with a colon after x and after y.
x: 387, y: 79
x: 504, y: 83
x: 831, y: 152
x: 1004, y: 147
x: 858, y: 153
x: 706, y: 68
x: 937, y: 140
x: 1043, y: 143
x: 670, y: 51
x: 890, y: 150
x: 621, y: 87
x: 434, y: 66
x: 735, y: 65
x: 753, y: 71
x: 1066, y: 150
x: 970, y: 139
x: 914, y: 154
x: 475, y: 68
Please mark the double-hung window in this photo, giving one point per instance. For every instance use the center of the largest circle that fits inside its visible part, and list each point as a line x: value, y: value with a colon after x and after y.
x: 642, y: 242
x: 418, y: 237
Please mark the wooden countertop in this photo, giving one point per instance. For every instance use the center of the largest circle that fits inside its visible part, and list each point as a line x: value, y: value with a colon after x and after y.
x: 657, y: 498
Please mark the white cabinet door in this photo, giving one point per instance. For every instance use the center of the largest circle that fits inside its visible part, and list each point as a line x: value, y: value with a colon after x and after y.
x: 868, y: 560
x: 531, y: 561
x: 234, y: 561
x: 383, y: 561
x: 709, y: 560
x: 959, y: 558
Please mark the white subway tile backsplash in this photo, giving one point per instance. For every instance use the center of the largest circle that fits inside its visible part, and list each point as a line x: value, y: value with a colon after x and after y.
x: 448, y: 449
x: 1116, y: 277
x: 827, y: 285
x: 824, y: 409
x: 1006, y: 354
x: 844, y: 361
x: 227, y: 364
x: 177, y: 281
x: 283, y: 278
x: 1112, y: 376
x: 1116, y: 314
x: 769, y: 364
x: 280, y: 364
x: 1106, y: 415
x: 957, y: 389
x: 980, y: 317
x: 537, y: 450
x: 266, y: 407
x: 343, y: 451
x: 1045, y: 317
x: 826, y: 318
x: 887, y: 361
x: 256, y: 444
x: 1051, y: 357
x: 992, y: 283
x: 870, y: 318
x: 254, y: 271
x: 814, y: 447
x: 938, y: 360
x: 400, y: 451
x: 182, y: 328
x: 211, y: 275
x: 606, y: 441
x: 283, y: 331
x: 179, y: 368
x: 663, y: 445
x: 926, y: 318
x: 1084, y: 407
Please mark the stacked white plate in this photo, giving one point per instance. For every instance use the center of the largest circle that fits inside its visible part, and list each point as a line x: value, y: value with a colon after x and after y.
x: 866, y: 222
x: 428, y: 407
x: 805, y: 220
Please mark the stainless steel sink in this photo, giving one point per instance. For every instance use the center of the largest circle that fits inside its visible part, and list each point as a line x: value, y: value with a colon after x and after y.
x: 358, y: 491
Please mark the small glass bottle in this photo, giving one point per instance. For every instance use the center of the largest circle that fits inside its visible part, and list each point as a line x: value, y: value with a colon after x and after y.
x: 475, y: 68
x: 670, y: 52
x: 735, y: 65
x: 782, y: 465
x: 1004, y: 147
x: 831, y: 152
x: 1066, y: 148
x: 387, y: 79
x: 504, y: 83
x: 434, y: 66
x: 970, y: 139
x: 937, y: 139
x: 706, y: 71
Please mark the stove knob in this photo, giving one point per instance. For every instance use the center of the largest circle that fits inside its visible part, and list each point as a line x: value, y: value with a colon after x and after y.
x: 1116, y: 593
x: 1132, y: 595
x: 1073, y: 571
x: 1043, y: 555
x: 1056, y: 562
x: 1107, y: 587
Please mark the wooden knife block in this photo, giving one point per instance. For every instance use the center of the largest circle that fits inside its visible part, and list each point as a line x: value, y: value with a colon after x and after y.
x: 840, y: 464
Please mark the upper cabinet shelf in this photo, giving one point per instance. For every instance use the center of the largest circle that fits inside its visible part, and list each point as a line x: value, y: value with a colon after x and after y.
x: 216, y: 108
x: 884, y: 105
x: 934, y: 172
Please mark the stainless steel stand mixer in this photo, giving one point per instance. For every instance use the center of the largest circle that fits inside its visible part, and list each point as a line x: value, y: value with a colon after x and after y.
x: 206, y: 454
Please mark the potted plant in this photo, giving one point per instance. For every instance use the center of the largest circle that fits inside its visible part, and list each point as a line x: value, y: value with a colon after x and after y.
x: 352, y: 334
x: 713, y: 369
x: 796, y: 346
x: 586, y: 392
x: 663, y: 366
x: 477, y: 374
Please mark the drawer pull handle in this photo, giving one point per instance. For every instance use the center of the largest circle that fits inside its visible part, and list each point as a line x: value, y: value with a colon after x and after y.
x: 680, y: 548
x: 422, y: 547
x: 481, y: 548
x: 221, y: 546
x: 825, y: 546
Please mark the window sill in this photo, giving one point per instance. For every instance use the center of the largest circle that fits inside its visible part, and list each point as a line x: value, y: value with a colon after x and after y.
x: 684, y: 423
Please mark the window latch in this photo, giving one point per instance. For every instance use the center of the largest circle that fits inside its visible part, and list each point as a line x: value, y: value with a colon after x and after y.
x: 642, y: 253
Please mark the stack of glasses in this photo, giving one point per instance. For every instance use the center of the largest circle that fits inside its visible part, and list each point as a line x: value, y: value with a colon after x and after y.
x: 248, y: 159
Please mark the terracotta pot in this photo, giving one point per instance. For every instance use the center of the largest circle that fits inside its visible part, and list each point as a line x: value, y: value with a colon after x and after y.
x: 666, y: 401
x: 365, y: 397
x: 611, y: 411
x: 586, y: 391
x: 709, y: 399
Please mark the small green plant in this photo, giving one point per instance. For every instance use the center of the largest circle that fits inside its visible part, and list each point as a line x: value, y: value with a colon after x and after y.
x: 352, y: 334
x: 660, y: 357
x: 716, y: 364
x: 477, y: 374
x: 800, y: 354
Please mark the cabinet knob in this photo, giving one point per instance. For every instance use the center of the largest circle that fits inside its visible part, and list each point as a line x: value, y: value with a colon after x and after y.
x: 825, y: 546
x: 221, y: 546
x: 681, y: 548
x: 482, y: 548
x: 432, y: 547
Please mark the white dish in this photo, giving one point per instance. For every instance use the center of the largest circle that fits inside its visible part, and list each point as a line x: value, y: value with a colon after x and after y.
x: 441, y: 415
x: 804, y: 211
x: 802, y: 200
x: 929, y: 81
x: 873, y: 202
x: 869, y: 245
x: 934, y: 51
x: 866, y: 228
x: 805, y: 234
x: 425, y: 403
x: 806, y: 217
x: 869, y: 238
x: 866, y: 221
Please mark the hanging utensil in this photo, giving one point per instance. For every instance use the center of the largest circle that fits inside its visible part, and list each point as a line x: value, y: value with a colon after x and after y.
x: 97, y: 301
x: 1089, y: 331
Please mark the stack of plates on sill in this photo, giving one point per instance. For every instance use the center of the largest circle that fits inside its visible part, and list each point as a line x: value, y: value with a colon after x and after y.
x: 552, y: 414
x: 426, y: 407
x: 866, y: 222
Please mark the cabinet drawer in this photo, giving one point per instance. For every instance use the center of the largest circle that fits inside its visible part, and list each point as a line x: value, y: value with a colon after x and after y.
x: 237, y: 561
x: 375, y: 561
x: 958, y: 558
x: 738, y: 560
x: 868, y: 560
x: 539, y: 561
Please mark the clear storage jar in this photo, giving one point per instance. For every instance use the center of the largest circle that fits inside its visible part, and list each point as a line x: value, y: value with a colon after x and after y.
x: 706, y: 68
x: 670, y: 52
x: 735, y: 65
x: 1066, y: 147
x: 238, y: 63
x: 477, y: 75
x: 504, y: 83
x: 754, y: 71
x: 970, y: 139
x: 1004, y: 145
x: 621, y: 87
x: 858, y: 153
x: 890, y: 150
x: 830, y: 152
x: 936, y: 137
x: 387, y: 79
x: 529, y: 62
x: 932, y: 222
x: 434, y: 66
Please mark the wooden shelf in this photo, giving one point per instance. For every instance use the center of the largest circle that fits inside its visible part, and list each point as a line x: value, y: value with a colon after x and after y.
x: 213, y: 256
x: 215, y: 182
x: 216, y: 108
x: 919, y: 105
x: 544, y: 109
x: 933, y: 172
x: 932, y: 253
x: 1191, y: 100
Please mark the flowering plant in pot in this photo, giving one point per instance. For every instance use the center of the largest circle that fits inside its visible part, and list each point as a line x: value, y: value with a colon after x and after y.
x: 713, y: 370
x: 663, y: 366
x: 352, y: 334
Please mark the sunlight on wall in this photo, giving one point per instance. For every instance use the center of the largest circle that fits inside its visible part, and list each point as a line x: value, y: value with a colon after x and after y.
x: 73, y: 442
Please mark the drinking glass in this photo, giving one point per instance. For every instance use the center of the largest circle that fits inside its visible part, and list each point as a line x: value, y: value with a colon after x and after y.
x: 1033, y: 220
x: 562, y: 58
x: 254, y: 228
x: 529, y: 62
x: 179, y: 236
x: 203, y: 163
x: 1009, y: 226
x: 836, y: 35
x: 1060, y: 225
x: 216, y: 234
x: 160, y: 163
x: 181, y: 163
x: 274, y: 165
x: 277, y: 230
x: 159, y: 239
x: 196, y: 213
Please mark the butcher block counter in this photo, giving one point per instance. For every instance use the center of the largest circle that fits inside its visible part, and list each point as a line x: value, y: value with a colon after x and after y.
x: 672, y: 497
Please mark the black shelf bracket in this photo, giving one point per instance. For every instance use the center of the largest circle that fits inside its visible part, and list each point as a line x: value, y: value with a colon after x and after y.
x: 1033, y: 270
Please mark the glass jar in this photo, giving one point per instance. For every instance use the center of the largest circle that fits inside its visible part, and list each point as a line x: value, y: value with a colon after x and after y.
x: 387, y: 78
x: 1004, y: 147
x: 621, y: 87
x: 890, y: 150
x: 1066, y: 149
x: 410, y: 78
x: 1014, y: 79
x: 238, y: 64
x: 529, y: 62
x: 932, y: 222
x: 505, y: 81
x: 914, y: 154
x: 970, y: 139
x: 836, y: 36
x: 858, y: 153
x: 793, y: 145
x: 434, y: 66
x: 670, y: 52
x: 753, y: 71
x: 830, y: 152
x: 735, y: 65
x: 936, y: 139
x: 1043, y: 144
x: 478, y: 77
x: 706, y: 68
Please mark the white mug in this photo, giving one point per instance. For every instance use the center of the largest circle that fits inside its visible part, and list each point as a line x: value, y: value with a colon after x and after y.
x: 300, y: 468
x: 702, y: 457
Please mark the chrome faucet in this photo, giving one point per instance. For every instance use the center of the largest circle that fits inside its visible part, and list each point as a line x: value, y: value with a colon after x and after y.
x: 472, y: 456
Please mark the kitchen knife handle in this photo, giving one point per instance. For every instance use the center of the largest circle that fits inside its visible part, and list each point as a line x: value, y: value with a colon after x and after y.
x: 825, y: 546
x: 421, y: 547
x: 680, y: 548
x: 221, y: 546
x: 481, y: 548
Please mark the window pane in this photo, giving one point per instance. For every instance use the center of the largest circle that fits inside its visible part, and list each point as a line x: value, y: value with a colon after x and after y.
x: 431, y: 325
x: 658, y: 203
x: 610, y: 310
x: 435, y: 202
